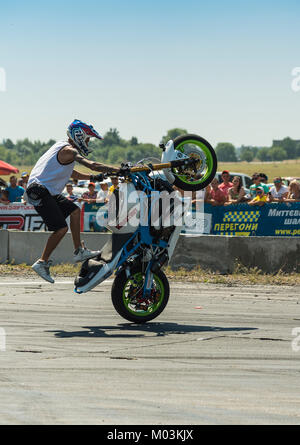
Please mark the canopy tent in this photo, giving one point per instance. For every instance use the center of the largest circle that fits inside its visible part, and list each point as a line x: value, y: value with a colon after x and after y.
x: 7, y: 169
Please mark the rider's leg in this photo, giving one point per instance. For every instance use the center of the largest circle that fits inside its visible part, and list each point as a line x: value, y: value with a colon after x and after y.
x: 52, y: 243
x: 42, y: 265
x: 54, y: 213
x: 75, y: 228
x: 81, y: 253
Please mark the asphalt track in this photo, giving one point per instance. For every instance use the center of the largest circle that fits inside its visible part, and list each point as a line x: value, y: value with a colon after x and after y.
x: 216, y: 355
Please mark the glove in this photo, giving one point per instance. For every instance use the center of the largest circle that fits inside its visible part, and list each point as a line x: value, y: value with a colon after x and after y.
x: 96, y: 178
x: 124, y: 170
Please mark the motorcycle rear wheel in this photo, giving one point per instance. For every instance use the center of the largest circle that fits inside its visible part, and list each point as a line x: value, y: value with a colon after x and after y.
x: 198, y: 148
x: 127, y: 295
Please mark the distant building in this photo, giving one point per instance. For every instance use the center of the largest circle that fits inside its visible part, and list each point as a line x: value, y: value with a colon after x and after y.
x: 278, y: 143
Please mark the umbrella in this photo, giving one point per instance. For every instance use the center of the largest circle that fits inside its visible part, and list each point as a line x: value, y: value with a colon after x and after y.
x: 7, y: 169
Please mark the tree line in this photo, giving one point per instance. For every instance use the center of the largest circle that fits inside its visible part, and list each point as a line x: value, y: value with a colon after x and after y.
x: 113, y: 149
x: 279, y: 151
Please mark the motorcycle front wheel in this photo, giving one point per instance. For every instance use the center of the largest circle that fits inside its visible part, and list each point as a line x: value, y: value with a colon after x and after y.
x: 127, y: 295
x: 198, y: 148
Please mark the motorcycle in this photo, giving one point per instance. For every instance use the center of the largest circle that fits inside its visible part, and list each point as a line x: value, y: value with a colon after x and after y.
x: 145, y: 222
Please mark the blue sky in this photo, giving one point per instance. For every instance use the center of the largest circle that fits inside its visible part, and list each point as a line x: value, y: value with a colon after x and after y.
x: 221, y: 69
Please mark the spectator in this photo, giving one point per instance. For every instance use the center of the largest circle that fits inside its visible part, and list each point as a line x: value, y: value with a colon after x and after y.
x: 24, y: 177
x: 215, y: 196
x: 263, y: 178
x: 115, y: 183
x: 257, y: 183
x: 260, y: 198
x: 4, y: 198
x: 75, y: 181
x: 90, y: 196
x: 114, y: 186
x: 279, y: 191
x: 294, y: 191
x: 3, y: 186
x: 237, y: 192
x: 70, y: 194
x: 226, y: 184
x: 102, y: 196
x: 15, y: 192
x: 207, y: 193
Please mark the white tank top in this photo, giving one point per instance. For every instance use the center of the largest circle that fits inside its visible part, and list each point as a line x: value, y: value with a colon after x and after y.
x: 49, y: 172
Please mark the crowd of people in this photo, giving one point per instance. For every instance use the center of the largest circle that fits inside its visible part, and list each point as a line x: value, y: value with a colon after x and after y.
x: 92, y: 196
x: 229, y: 191
x: 232, y: 192
x: 14, y: 192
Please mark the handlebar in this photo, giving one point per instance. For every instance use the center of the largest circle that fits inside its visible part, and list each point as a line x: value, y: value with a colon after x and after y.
x: 125, y: 170
x: 154, y: 167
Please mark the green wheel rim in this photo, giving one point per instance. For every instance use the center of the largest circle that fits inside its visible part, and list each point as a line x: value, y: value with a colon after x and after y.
x: 153, y: 307
x: 209, y: 161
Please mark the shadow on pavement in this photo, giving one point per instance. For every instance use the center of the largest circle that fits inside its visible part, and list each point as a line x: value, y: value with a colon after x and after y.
x: 131, y: 330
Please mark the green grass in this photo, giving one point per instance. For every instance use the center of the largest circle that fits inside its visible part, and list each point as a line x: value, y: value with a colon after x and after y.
x: 240, y: 276
x: 25, y: 270
x: 271, y: 169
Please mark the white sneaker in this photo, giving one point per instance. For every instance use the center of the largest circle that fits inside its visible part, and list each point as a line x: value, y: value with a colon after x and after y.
x: 42, y: 269
x: 82, y: 254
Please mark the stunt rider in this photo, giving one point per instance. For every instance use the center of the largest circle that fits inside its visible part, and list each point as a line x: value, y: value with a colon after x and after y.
x: 46, y: 182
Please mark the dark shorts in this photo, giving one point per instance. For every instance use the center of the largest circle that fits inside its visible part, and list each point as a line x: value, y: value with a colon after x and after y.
x: 53, y: 209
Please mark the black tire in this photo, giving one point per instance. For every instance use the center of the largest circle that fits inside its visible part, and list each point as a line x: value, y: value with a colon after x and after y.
x: 119, y: 299
x: 212, y: 157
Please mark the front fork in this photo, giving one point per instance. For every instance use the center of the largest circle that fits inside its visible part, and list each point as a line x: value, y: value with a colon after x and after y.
x: 148, y: 281
x: 154, y: 266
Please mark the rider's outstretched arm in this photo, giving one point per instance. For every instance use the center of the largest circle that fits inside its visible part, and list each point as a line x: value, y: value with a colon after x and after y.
x: 77, y: 175
x: 69, y: 154
x: 95, y: 166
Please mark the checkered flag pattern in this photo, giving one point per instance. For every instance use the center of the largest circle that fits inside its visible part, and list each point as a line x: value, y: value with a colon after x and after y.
x: 246, y: 216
